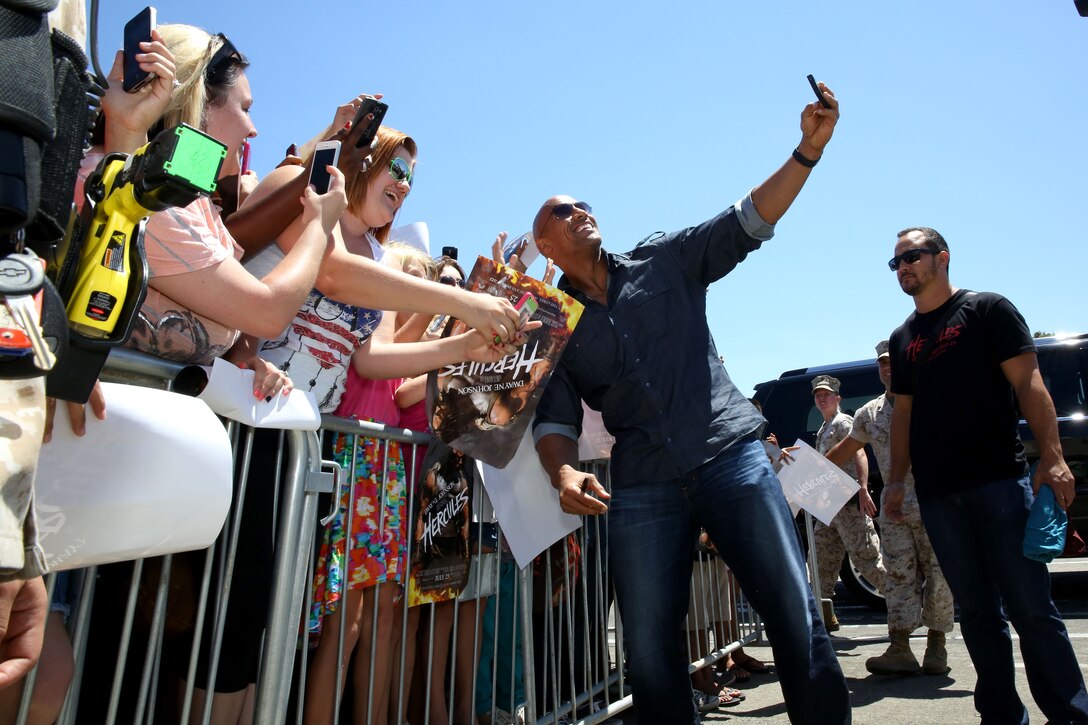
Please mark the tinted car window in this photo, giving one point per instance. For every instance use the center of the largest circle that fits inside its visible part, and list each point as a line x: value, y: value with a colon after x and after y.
x: 787, y: 404
x: 1064, y: 373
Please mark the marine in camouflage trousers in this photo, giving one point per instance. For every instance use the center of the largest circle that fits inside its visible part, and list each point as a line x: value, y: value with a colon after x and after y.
x: 22, y: 420
x: 915, y: 590
x: 850, y: 531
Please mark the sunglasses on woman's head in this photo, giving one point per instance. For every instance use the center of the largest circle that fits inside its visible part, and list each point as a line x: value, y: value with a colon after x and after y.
x: 399, y: 170
x: 562, y: 211
x: 227, y: 54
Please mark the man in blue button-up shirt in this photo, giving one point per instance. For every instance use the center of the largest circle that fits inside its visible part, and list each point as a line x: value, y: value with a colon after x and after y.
x: 686, y: 452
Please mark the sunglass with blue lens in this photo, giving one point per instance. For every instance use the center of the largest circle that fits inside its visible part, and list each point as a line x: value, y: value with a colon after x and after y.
x: 562, y: 211
x: 910, y: 257
x: 399, y: 170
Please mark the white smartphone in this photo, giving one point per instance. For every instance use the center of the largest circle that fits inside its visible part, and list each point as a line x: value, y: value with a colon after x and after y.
x: 327, y: 153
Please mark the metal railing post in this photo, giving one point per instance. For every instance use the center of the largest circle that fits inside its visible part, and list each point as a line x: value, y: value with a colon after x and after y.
x: 274, y: 679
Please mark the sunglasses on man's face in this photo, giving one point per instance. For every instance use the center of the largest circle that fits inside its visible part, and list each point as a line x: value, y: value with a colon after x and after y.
x: 562, y: 211
x: 399, y: 170
x: 910, y: 257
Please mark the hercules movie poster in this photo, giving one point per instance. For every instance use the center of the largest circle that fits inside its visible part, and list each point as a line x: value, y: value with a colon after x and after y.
x: 484, y: 409
x: 442, y: 513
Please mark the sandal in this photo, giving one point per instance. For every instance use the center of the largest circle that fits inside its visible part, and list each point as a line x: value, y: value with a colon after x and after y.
x: 705, y: 703
x: 735, y: 694
x: 726, y: 698
x: 724, y: 678
x: 741, y: 674
x: 754, y: 666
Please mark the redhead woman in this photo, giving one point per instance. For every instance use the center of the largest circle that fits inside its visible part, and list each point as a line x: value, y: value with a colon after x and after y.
x: 329, y: 334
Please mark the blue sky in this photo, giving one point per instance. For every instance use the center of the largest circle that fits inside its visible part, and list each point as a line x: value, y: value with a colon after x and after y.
x: 966, y: 116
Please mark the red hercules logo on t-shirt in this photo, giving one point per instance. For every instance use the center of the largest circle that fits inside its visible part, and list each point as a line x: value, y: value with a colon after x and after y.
x: 945, y: 342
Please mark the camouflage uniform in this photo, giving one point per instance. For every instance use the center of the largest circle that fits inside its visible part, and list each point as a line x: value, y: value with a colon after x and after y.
x: 916, y: 591
x: 850, y: 530
x: 22, y: 421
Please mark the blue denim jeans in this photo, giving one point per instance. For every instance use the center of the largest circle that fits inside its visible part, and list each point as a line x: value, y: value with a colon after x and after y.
x: 652, y: 531
x: 978, y: 536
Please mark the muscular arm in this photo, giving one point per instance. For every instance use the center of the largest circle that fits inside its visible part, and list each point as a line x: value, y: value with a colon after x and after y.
x: 559, y: 456
x: 1037, y: 407
x: 267, y: 212
x: 264, y: 216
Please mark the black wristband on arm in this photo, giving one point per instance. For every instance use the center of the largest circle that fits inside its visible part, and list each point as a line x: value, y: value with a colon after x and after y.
x: 801, y: 159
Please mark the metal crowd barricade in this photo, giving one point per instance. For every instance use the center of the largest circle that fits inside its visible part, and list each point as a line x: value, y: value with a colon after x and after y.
x: 579, y: 655
x: 132, y: 678
x: 541, y: 645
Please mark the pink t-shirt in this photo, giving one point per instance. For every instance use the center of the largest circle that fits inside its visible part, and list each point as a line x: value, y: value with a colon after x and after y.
x: 366, y: 399
x: 176, y: 241
x: 414, y: 417
x: 179, y: 241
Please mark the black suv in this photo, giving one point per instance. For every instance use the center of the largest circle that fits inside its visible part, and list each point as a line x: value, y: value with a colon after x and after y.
x: 787, y: 405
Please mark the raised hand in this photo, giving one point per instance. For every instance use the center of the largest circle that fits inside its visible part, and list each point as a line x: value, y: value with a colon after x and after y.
x: 130, y: 115
x: 818, y: 124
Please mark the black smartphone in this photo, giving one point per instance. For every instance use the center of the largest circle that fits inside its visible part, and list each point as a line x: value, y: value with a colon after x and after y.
x: 368, y: 106
x: 819, y: 94
x: 138, y: 30
x: 450, y: 252
x: 326, y: 154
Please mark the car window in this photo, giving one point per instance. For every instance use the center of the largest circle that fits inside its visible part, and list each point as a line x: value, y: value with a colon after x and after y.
x: 1065, y: 372
x: 789, y: 409
x: 786, y: 409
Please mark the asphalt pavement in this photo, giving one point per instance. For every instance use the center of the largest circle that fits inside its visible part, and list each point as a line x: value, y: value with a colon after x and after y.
x: 921, y: 700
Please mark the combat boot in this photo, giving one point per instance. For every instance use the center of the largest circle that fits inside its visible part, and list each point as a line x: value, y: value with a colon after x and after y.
x: 898, y: 660
x: 831, y: 622
x: 935, y: 660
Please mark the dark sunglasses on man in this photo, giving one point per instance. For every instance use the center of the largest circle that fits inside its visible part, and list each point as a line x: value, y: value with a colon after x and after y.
x: 562, y: 211
x: 910, y: 257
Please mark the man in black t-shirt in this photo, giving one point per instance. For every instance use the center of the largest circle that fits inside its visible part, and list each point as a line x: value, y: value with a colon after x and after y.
x: 960, y: 362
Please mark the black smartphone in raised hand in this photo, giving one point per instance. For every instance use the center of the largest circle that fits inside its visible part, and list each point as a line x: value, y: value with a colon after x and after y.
x: 367, y: 107
x: 819, y: 94
x: 138, y: 30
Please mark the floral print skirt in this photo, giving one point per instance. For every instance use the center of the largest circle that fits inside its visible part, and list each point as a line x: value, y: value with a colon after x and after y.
x: 377, y: 550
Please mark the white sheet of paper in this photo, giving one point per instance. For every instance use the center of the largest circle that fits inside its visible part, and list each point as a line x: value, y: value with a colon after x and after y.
x: 155, y: 477
x: 526, y: 504
x: 816, y: 484
x: 229, y: 393
x: 595, y: 442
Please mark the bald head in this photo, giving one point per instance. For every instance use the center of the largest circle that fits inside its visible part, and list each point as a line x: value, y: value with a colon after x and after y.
x: 545, y: 213
x: 566, y: 230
